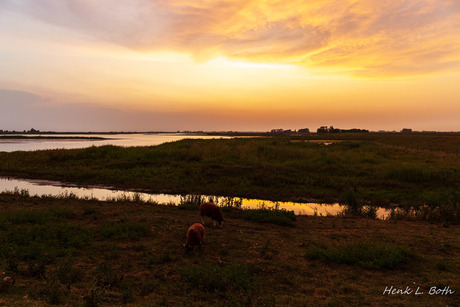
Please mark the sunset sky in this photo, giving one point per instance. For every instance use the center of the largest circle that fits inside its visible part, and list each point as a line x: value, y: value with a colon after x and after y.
x: 252, y: 65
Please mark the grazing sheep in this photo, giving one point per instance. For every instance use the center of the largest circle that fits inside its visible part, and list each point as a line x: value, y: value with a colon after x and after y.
x: 213, y: 211
x: 195, y: 235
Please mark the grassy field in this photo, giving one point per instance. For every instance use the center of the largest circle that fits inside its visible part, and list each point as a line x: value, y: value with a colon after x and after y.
x: 380, y: 169
x: 88, y: 253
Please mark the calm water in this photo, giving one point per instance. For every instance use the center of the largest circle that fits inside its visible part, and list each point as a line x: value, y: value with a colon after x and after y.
x: 140, y: 139
x: 44, y: 187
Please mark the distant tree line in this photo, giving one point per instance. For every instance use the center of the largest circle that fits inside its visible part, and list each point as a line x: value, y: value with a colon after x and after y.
x: 331, y: 129
x: 304, y: 130
x: 14, y: 131
x: 322, y: 129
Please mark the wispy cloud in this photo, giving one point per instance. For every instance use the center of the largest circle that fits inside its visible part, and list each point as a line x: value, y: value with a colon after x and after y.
x: 371, y: 38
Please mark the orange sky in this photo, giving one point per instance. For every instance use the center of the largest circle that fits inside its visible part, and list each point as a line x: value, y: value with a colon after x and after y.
x: 229, y: 65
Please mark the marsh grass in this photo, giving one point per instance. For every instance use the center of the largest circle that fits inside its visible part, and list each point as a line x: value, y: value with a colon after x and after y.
x: 245, y: 263
x: 356, y: 208
x: 448, y: 213
x: 367, y: 255
x: 134, y: 197
x: 35, y: 241
x: 272, y: 215
x: 211, y: 278
x: 106, y: 276
x: 193, y: 202
x: 382, y: 168
x: 231, y: 203
x: 124, y: 229
x: 190, y: 202
x: 67, y: 273
x: 36, y: 216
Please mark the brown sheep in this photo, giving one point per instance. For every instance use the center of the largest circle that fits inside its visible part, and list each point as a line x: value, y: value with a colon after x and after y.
x: 213, y: 211
x: 195, y: 235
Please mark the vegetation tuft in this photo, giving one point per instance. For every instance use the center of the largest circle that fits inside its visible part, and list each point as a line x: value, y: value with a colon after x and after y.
x: 355, y: 208
x: 270, y: 215
x: 190, y: 202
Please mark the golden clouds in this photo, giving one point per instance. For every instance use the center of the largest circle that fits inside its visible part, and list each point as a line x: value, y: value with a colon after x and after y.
x: 370, y: 38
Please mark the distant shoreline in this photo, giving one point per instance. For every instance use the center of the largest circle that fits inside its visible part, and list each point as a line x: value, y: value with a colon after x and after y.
x: 133, y: 132
x: 226, y: 133
x: 24, y: 137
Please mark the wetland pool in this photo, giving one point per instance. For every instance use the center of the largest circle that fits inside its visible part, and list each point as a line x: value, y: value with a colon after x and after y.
x: 55, y: 188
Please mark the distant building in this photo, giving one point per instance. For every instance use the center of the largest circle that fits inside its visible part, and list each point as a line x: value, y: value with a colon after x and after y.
x: 304, y: 130
x: 406, y: 130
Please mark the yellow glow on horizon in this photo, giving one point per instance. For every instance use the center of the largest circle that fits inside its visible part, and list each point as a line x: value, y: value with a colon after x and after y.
x: 248, y: 64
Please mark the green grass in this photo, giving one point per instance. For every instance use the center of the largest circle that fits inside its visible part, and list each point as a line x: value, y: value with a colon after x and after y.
x: 59, y: 253
x: 367, y: 255
x: 381, y: 168
x: 36, y: 241
x: 210, y: 277
x: 33, y: 234
x: 35, y: 216
x: 125, y: 230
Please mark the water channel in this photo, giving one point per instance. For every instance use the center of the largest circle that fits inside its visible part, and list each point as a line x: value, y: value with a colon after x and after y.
x: 54, y: 188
